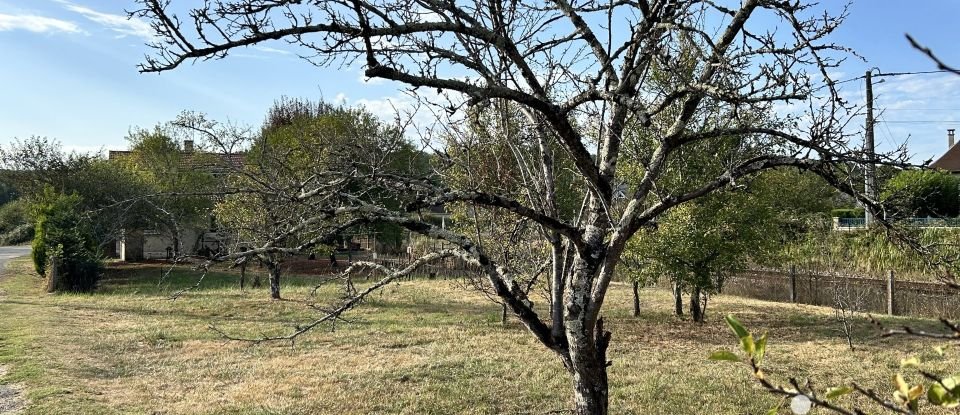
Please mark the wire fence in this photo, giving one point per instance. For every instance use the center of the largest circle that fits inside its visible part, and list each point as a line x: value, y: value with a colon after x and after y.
x: 861, y: 223
x: 869, y: 294
x: 815, y: 287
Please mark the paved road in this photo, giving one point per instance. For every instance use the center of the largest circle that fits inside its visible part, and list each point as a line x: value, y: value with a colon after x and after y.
x: 8, y: 252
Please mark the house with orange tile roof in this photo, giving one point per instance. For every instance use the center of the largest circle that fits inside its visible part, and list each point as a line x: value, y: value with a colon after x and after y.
x: 950, y: 160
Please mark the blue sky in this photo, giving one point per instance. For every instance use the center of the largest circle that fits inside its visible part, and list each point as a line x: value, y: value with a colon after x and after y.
x: 68, y: 72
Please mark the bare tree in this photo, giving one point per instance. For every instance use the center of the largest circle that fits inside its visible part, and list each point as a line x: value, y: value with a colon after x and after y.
x: 580, y: 74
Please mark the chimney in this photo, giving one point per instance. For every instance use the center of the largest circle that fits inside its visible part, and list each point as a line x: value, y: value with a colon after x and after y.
x: 188, y: 144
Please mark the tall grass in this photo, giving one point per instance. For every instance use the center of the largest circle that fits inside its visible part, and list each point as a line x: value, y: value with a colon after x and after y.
x: 873, y: 252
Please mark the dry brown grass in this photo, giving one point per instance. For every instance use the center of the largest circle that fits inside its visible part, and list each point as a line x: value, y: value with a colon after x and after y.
x: 422, y: 347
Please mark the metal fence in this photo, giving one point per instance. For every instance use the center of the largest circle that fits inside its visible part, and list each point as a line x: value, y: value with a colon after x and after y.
x: 860, y: 223
x: 873, y: 295
x: 848, y: 223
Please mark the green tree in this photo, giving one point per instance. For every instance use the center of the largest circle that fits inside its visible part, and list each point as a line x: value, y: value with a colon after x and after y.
x: 34, y: 166
x: 15, y: 222
x: 7, y: 193
x: 300, y: 144
x: 175, y: 183
x: 699, y: 245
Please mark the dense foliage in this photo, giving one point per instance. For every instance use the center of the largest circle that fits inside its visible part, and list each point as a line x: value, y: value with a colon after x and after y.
x: 65, y: 241
x: 16, y: 225
x: 847, y: 213
x: 923, y: 193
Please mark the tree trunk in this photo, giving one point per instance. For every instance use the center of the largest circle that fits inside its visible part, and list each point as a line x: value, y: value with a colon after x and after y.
x: 588, y: 361
x: 274, y: 270
x: 176, y: 243
x: 243, y: 275
x: 55, y: 279
x: 590, y: 392
x: 636, y: 299
x: 503, y: 314
x: 678, y: 299
x: 703, y: 307
x: 695, y: 309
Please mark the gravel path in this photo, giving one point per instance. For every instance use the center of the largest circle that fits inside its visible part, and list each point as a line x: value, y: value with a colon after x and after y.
x: 11, y: 399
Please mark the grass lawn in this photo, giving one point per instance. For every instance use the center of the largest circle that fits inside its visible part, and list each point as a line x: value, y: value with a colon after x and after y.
x: 420, y: 347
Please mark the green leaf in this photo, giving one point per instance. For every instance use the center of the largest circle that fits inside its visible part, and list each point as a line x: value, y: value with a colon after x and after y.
x: 952, y: 383
x: 724, y: 355
x: 748, y: 346
x: 776, y: 408
x: 738, y: 328
x: 938, y: 395
x: 941, y: 350
x: 761, y: 347
x: 833, y: 393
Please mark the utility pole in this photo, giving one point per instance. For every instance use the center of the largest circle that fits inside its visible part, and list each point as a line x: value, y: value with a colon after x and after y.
x: 870, y: 172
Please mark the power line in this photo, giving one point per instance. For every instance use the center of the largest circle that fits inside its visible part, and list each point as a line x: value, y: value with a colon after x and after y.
x: 921, y: 109
x: 910, y: 73
x: 882, y: 74
x: 893, y: 139
x: 922, y: 121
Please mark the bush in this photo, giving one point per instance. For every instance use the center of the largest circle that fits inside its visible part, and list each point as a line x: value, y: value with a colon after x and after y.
x: 847, y: 213
x: 923, y: 193
x: 63, y: 235
x: 76, y: 271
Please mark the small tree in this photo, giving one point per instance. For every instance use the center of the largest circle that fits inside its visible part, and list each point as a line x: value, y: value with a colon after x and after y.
x: 698, y: 245
x: 302, y: 144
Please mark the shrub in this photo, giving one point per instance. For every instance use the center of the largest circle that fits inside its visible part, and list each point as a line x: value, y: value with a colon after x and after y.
x: 847, y: 213
x: 923, y: 193
x: 63, y: 235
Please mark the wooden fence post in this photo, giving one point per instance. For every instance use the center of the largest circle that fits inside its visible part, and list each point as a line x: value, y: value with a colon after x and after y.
x: 54, y: 280
x: 793, y: 283
x: 890, y: 293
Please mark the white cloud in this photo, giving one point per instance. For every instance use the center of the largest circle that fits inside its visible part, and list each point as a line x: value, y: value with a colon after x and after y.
x: 386, y: 108
x: 36, y: 24
x: 364, y: 79
x: 427, y: 15
x: 125, y: 26
x: 272, y: 50
x: 424, y: 114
